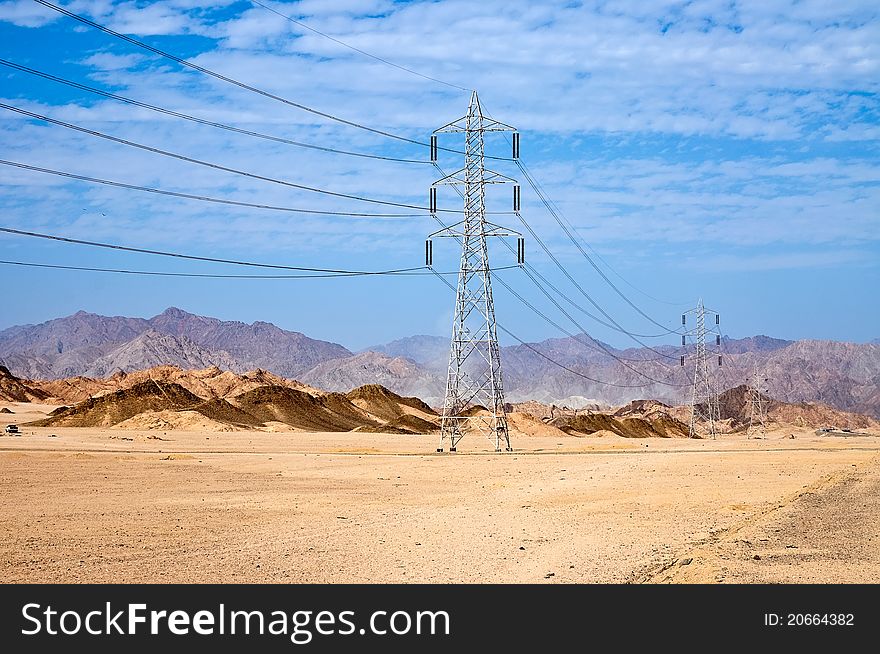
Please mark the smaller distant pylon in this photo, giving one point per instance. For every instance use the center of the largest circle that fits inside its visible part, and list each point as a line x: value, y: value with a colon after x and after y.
x: 757, y: 407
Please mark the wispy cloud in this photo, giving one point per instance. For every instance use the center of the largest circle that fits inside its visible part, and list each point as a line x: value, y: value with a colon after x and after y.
x: 657, y: 127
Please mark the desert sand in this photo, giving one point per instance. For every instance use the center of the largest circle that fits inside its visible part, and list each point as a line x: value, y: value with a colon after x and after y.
x: 278, y: 505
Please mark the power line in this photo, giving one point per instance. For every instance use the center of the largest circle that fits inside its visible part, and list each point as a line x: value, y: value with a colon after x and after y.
x: 351, y: 123
x: 243, y: 85
x: 419, y: 270
x: 560, y: 218
x: 598, y: 346
x: 619, y: 360
x: 224, y: 78
x: 180, y: 274
x: 203, y: 198
x: 251, y: 88
x: 176, y: 255
x: 563, y: 366
x: 531, y: 270
x: 568, y: 233
x: 201, y: 121
x: 583, y: 292
x: 214, y: 166
x: 545, y: 356
x: 358, y: 50
x: 30, y: 264
x: 595, y: 253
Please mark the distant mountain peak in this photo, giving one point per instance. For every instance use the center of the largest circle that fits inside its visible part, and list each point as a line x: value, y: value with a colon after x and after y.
x: 429, y: 351
x: 174, y: 312
x: 153, y: 348
x: 82, y: 342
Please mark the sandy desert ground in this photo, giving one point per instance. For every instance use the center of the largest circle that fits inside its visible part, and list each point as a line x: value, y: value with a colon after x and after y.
x: 108, y: 505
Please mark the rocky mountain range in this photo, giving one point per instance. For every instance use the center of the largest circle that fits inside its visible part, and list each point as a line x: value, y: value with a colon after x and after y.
x: 89, y: 344
x: 576, y: 372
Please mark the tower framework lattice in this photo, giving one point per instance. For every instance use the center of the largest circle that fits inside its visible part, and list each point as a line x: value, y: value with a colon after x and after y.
x: 704, y: 394
x: 757, y: 406
x: 474, y: 377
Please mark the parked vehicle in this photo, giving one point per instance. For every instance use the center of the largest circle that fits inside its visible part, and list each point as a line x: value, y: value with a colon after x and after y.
x: 13, y: 430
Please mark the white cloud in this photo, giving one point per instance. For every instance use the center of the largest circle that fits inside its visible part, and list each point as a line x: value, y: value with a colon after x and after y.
x: 26, y: 13
x: 667, y: 115
x: 107, y: 61
x: 771, y: 261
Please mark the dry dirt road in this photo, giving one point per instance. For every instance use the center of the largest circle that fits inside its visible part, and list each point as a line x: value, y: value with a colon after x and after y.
x: 90, y: 505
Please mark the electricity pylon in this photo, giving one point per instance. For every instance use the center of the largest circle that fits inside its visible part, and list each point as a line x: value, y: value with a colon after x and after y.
x: 474, y: 376
x: 704, y: 396
x: 757, y: 410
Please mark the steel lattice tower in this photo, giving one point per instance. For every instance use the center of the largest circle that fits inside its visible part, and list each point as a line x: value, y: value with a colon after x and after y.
x: 704, y: 397
x: 474, y: 376
x: 757, y: 410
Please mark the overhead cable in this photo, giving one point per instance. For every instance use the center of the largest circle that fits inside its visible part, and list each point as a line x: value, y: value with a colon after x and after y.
x: 358, y: 50
x: 242, y: 85
x: 203, y: 198
x: 209, y: 164
x: 201, y: 121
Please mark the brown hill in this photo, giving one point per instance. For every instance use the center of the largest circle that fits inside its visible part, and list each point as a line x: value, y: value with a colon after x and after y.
x: 221, y: 410
x: 642, y: 409
x: 113, y: 408
x: 638, y: 419
x: 13, y: 389
x: 156, y: 401
x: 71, y: 390
x: 870, y: 405
x: 396, y: 373
x: 405, y: 424
x: 816, y: 414
x: 662, y: 426
x: 386, y: 404
x: 170, y: 420
x: 733, y: 404
x: 213, y: 382
x: 667, y: 426
x: 226, y: 399
x: 206, y: 383
x: 331, y: 412
x: 256, y: 345
x: 533, y: 408
x: 525, y: 424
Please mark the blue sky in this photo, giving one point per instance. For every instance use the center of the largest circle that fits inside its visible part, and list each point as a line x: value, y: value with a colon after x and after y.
x: 721, y: 150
